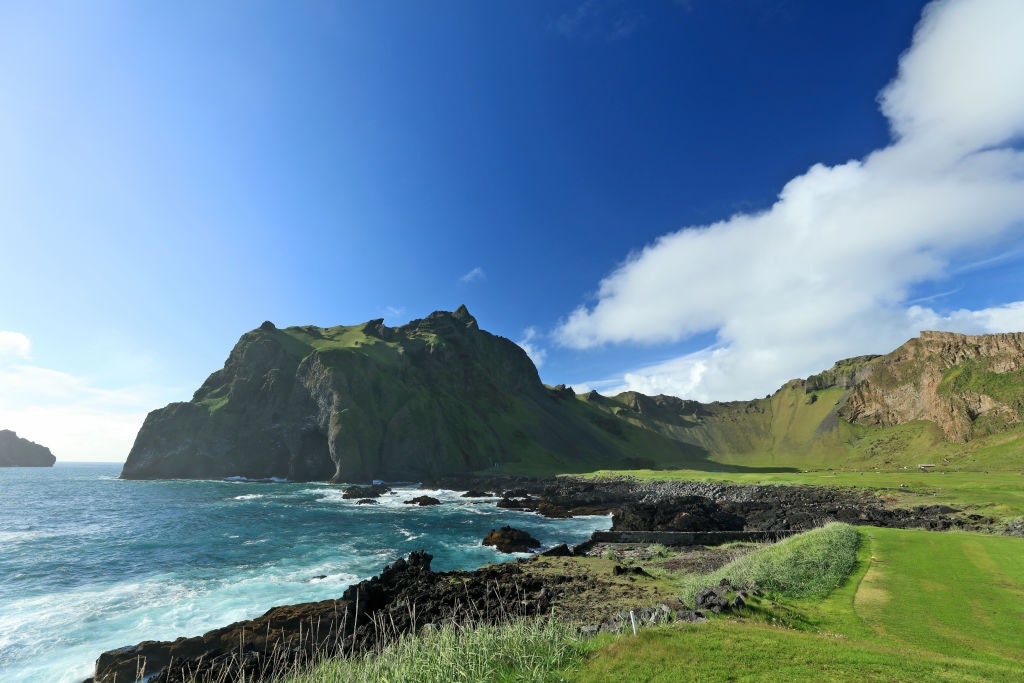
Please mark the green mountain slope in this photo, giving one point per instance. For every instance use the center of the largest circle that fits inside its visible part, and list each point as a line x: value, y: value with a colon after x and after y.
x: 440, y: 396
x: 433, y: 397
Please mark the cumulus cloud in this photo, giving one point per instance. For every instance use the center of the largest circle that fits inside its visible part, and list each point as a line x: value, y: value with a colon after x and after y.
x: 529, y: 343
x: 826, y: 271
x: 473, y: 275
x: 13, y: 345
x: 68, y: 414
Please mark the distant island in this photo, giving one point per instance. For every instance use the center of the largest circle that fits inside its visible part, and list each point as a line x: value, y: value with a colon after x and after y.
x: 18, y: 452
x: 440, y: 396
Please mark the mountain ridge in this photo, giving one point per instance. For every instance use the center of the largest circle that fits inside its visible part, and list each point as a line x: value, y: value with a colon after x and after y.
x: 440, y: 395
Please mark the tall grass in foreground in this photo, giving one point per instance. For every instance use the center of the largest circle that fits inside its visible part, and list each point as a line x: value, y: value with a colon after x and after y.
x: 523, y: 650
x: 808, y: 565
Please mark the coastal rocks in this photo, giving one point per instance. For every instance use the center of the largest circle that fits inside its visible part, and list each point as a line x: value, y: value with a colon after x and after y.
x: 18, y: 452
x: 372, y: 491
x: 526, y: 502
x: 406, y: 596
x: 510, y: 540
x: 560, y: 550
x: 682, y: 513
x: 724, y: 597
x: 423, y: 501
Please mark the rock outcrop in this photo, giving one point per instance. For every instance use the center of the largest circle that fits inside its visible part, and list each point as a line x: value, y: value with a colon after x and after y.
x: 18, y: 452
x: 404, y: 598
x: 439, y: 396
x: 969, y: 385
x: 435, y: 396
x: 511, y: 540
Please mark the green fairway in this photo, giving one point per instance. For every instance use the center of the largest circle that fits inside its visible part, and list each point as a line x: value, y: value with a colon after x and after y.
x: 956, y: 594
x: 921, y: 606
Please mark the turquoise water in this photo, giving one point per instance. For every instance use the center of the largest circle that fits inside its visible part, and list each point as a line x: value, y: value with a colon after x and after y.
x: 89, y: 562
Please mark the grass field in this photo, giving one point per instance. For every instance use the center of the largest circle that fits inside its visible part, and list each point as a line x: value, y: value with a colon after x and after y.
x: 928, y: 606
x: 918, y: 606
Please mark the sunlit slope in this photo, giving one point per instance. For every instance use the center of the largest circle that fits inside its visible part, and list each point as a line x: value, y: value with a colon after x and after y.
x: 439, y: 396
x: 950, y: 400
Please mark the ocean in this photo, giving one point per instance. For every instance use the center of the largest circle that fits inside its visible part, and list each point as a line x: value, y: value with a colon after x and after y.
x: 89, y: 562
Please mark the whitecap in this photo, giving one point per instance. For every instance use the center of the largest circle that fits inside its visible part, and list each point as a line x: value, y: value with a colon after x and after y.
x: 248, y: 496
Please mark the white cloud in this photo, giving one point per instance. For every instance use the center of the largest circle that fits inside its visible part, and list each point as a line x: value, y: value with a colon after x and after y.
x: 72, y: 417
x: 13, y: 345
x: 825, y: 272
x: 473, y: 275
x: 528, y: 343
x: 394, y: 312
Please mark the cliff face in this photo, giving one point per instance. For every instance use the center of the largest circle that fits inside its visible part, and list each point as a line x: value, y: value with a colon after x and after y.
x: 440, y: 396
x: 18, y: 452
x: 968, y: 385
x: 432, y: 397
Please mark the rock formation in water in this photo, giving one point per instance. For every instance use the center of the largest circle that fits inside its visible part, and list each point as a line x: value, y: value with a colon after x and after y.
x: 18, y: 452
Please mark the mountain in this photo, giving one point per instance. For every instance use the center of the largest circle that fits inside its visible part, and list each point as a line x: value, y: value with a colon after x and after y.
x: 441, y: 396
x: 436, y: 396
x: 952, y: 398
x: 18, y: 452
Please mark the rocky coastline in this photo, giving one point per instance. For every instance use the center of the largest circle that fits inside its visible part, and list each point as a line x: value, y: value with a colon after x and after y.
x: 408, y: 595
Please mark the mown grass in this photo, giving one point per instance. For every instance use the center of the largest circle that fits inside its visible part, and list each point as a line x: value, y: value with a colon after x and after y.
x: 960, y: 594
x: 920, y: 606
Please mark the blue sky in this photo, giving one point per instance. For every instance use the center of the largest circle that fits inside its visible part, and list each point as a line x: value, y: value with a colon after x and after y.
x: 704, y: 198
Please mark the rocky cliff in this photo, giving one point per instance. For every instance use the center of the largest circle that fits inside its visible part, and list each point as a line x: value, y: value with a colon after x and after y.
x: 18, y: 452
x: 967, y: 385
x: 440, y: 396
x: 955, y: 387
x: 436, y: 396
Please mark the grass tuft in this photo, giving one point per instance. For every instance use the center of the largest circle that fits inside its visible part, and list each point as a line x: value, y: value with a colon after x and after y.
x: 808, y: 565
x: 522, y: 650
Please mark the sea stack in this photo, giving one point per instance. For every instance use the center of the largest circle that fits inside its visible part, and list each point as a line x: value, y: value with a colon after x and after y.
x: 18, y: 452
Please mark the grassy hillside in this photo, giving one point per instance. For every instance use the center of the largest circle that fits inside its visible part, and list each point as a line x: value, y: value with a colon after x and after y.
x: 439, y: 396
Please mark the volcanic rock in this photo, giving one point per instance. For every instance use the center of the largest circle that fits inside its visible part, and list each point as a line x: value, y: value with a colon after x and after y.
x: 423, y: 500
x: 510, y: 540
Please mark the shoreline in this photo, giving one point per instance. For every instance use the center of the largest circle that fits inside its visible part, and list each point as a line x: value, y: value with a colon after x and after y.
x: 409, y: 594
